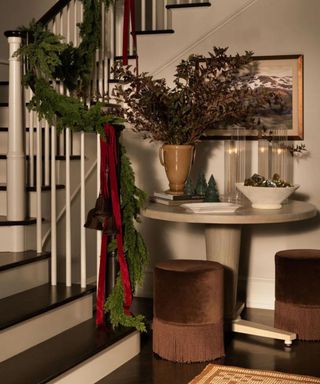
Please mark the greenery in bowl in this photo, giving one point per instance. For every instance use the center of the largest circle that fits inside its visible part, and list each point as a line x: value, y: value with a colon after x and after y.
x: 208, y: 92
x: 257, y: 180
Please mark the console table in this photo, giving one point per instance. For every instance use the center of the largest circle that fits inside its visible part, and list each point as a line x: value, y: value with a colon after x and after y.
x: 223, y: 235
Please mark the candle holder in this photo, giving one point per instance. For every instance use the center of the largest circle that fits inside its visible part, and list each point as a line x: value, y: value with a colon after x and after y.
x: 235, y: 165
x: 274, y: 156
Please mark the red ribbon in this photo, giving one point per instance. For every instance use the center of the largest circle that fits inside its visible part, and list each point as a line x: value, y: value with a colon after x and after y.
x: 129, y: 14
x: 109, y: 188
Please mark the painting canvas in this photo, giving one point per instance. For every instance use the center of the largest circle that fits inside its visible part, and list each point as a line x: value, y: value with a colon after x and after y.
x: 282, y: 75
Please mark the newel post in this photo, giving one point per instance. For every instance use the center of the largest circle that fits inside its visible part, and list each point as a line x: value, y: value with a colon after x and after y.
x: 16, y: 192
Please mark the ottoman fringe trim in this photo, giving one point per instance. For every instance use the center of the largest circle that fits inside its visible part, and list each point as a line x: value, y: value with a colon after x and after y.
x: 300, y: 319
x: 188, y: 343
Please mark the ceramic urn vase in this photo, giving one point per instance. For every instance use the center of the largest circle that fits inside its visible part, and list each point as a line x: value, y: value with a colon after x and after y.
x: 177, y: 161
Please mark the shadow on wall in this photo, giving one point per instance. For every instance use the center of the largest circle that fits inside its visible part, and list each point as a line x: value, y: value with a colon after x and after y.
x: 205, y: 152
x: 145, y: 161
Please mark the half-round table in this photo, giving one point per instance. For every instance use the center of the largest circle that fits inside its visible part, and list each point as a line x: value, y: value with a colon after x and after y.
x: 222, y: 236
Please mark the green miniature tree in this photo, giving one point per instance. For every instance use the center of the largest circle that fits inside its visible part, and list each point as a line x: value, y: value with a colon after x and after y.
x: 201, y: 185
x: 188, y: 188
x: 212, y: 194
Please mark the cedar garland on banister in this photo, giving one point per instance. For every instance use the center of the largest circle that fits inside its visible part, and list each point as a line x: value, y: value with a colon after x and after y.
x: 49, y: 59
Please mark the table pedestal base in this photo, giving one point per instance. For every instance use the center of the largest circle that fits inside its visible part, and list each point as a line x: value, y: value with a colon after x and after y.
x: 223, y: 246
x: 251, y: 328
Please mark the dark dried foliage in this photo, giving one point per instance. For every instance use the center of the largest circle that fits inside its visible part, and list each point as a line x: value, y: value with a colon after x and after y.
x: 209, y: 92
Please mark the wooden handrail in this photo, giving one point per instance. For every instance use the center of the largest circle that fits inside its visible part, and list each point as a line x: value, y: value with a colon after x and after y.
x: 53, y: 11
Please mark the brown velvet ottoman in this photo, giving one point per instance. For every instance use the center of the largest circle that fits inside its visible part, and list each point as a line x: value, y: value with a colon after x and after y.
x: 297, y: 305
x: 188, y: 310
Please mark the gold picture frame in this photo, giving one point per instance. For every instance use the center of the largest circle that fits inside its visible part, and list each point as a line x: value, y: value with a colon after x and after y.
x: 283, y: 74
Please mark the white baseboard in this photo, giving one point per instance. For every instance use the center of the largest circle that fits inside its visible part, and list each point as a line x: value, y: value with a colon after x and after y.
x: 260, y: 292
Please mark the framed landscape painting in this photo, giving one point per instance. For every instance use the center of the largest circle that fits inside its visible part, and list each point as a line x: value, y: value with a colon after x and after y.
x: 284, y: 76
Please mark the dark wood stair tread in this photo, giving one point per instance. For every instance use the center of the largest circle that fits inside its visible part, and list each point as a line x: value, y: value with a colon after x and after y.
x: 5, y: 223
x: 57, y: 355
x: 33, y: 302
x: 10, y: 260
x: 58, y: 157
x: 188, y: 5
x: 130, y: 57
x: 3, y: 187
x: 154, y: 32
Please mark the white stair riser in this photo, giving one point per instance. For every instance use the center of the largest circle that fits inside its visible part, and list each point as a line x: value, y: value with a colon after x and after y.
x: 4, y: 117
x: 32, y: 203
x: 4, y: 124
x: 3, y: 171
x: 102, y: 364
x: 31, y: 332
x: 24, y: 277
x: 4, y: 93
x: 4, y: 142
x: 17, y: 238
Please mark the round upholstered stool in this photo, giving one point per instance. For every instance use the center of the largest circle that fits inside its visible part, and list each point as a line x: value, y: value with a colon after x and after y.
x: 188, y: 310
x: 297, y: 305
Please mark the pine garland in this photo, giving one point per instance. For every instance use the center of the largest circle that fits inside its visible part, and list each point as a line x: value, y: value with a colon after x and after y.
x: 49, y: 59
x: 114, y: 305
x: 132, y: 199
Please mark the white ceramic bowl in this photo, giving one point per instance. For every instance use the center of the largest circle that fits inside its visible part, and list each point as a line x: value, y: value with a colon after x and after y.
x: 266, y: 197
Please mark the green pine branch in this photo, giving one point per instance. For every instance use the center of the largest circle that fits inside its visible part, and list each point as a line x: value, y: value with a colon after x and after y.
x: 132, y: 200
x: 114, y: 306
x: 50, y: 59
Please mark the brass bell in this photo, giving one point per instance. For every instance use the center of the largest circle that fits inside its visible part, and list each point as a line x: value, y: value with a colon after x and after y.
x: 100, y: 217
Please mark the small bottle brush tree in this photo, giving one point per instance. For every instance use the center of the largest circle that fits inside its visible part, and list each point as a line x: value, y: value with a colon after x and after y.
x: 201, y: 185
x: 212, y: 194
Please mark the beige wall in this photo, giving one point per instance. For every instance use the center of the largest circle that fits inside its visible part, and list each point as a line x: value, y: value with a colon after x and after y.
x: 267, y: 27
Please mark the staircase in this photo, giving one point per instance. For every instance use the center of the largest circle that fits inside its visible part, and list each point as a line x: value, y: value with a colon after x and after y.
x: 47, y: 329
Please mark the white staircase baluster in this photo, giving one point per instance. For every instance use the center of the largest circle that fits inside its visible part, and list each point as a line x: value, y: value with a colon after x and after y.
x: 38, y: 185
x: 110, y: 51
x: 68, y: 210
x: 101, y: 57
x: 46, y: 154
x: 143, y: 15
x: 16, y: 196
x: 53, y: 208
x: 154, y: 15
x: 119, y: 27
x: 99, y: 234
x: 83, y: 270
x: 31, y: 147
x: 61, y: 90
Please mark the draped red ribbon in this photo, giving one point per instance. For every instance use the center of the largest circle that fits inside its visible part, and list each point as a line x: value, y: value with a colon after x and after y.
x: 109, y: 188
x: 129, y: 14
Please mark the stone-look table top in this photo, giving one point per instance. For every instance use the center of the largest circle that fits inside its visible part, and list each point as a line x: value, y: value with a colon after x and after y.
x: 292, y: 211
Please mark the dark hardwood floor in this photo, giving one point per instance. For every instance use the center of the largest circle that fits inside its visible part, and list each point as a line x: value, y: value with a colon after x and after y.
x: 241, y: 350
